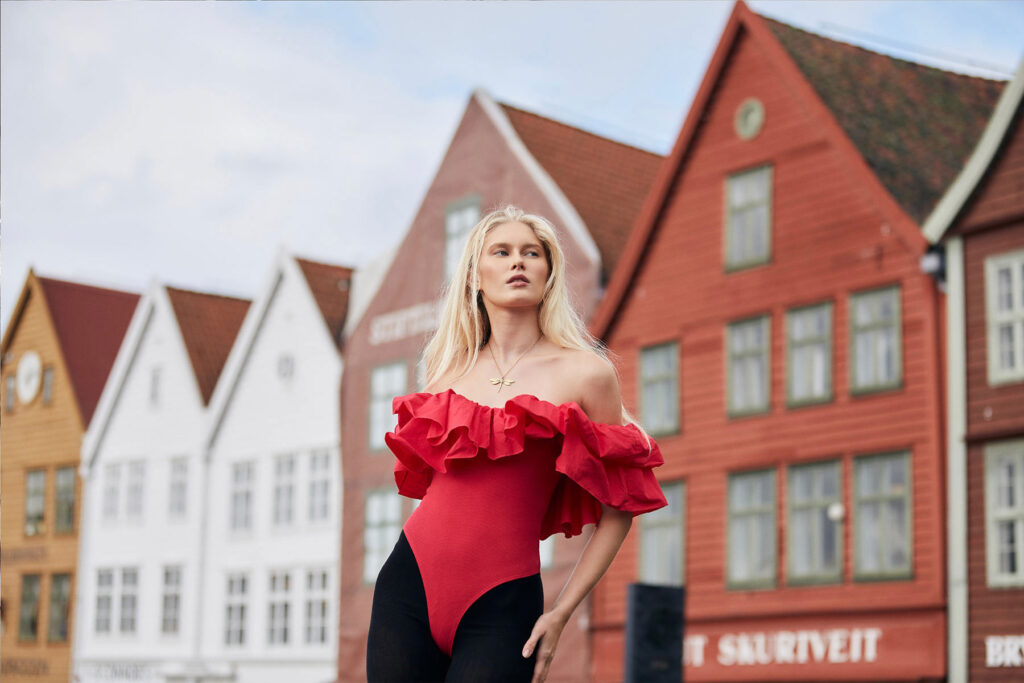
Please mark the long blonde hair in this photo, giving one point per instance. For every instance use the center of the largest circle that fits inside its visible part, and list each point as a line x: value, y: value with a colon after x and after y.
x: 464, y: 327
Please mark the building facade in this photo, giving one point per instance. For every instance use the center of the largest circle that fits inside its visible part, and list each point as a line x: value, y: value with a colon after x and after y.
x: 780, y: 340
x: 58, y: 347
x: 590, y: 188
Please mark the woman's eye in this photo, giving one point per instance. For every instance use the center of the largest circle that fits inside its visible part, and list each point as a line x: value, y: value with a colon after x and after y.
x: 500, y: 252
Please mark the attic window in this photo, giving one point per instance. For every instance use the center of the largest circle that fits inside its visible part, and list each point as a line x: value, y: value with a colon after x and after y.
x: 460, y: 217
x: 748, y: 216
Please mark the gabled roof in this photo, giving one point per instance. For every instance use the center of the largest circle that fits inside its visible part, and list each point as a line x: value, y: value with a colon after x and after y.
x: 209, y: 324
x: 915, y: 125
x: 90, y: 323
x: 330, y: 285
x: 605, y: 180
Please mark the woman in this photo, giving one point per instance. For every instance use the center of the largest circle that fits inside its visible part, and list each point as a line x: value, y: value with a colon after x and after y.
x: 518, y: 435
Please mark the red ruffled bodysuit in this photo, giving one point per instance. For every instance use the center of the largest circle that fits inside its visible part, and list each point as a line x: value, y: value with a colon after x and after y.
x: 495, y: 481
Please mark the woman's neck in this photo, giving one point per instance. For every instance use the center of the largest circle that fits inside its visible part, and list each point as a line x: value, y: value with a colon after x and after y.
x: 513, y: 332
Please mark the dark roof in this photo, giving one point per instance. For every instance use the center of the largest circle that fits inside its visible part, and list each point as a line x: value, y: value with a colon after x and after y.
x: 90, y: 324
x: 606, y: 181
x: 914, y: 125
x: 330, y: 285
x: 209, y: 324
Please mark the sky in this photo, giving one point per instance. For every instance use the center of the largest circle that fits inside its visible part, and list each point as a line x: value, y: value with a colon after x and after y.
x: 188, y: 142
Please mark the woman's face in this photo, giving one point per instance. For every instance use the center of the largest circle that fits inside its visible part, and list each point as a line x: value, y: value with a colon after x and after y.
x: 513, y: 266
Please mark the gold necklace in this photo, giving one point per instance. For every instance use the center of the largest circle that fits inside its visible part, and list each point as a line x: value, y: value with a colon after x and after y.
x: 501, y: 381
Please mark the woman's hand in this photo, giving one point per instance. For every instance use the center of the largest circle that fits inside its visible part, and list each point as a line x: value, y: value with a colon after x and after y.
x: 544, y: 638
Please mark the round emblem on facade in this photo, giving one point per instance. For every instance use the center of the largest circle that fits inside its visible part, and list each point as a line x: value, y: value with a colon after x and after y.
x: 29, y: 376
x: 749, y: 118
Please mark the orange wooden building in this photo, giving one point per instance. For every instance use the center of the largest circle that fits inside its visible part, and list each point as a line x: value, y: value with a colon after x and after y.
x: 778, y: 337
x: 58, y: 347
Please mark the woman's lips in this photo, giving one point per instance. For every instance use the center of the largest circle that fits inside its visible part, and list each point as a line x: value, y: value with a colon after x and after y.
x: 518, y: 281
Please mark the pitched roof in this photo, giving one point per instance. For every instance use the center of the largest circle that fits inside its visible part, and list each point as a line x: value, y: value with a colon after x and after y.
x: 330, y: 286
x: 606, y: 181
x: 209, y: 324
x: 914, y: 125
x: 90, y: 323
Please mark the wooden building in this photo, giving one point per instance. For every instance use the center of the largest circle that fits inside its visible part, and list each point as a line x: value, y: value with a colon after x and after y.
x: 979, y: 225
x: 58, y: 348
x: 591, y: 189
x: 780, y: 340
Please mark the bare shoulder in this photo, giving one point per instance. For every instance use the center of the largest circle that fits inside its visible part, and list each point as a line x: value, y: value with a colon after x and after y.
x: 596, y: 384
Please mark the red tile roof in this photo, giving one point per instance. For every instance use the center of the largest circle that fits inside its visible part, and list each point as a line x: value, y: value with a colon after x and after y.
x: 330, y: 285
x: 209, y: 324
x: 90, y: 324
x: 606, y: 181
x: 914, y: 125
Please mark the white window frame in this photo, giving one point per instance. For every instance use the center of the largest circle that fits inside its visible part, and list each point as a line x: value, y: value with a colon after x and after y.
x: 738, y: 360
x: 243, y: 484
x: 743, y: 512
x: 319, y: 485
x: 887, y: 528
x: 1011, y: 452
x: 129, y: 602
x: 177, y: 494
x: 875, y: 330
x: 748, y: 258
x: 318, y: 595
x: 668, y: 421
x: 995, y: 320
x: 235, y: 608
x: 104, y: 620
x: 459, y: 218
x: 170, y: 618
x: 111, y: 491
x: 818, y: 509
x: 279, y: 607
x: 285, y: 467
x: 135, y: 491
x: 35, y: 502
x: 387, y: 381
x: 662, y: 553
x: 806, y: 351
x: 381, y: 528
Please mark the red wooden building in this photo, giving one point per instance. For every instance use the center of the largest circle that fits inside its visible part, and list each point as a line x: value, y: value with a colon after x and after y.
x: 591, y: 188
x: 980, y: 224
x: 778, y: 337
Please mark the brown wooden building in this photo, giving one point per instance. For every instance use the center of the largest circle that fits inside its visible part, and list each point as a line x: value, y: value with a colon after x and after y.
x: 780, y: 340
x: 591, y: 188
x: 980, y: 226
x: 58, y: 347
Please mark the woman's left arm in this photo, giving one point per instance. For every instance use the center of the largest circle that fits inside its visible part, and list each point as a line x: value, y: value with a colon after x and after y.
x: 602, y: 401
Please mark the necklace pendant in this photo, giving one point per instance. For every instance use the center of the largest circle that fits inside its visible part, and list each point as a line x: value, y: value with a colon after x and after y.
x: 501, y: 382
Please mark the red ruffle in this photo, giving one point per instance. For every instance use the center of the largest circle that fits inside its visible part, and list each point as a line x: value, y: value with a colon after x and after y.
x: 601, y: 463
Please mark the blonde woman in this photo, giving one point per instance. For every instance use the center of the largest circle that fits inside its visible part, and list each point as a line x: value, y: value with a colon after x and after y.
x: 520, y: 434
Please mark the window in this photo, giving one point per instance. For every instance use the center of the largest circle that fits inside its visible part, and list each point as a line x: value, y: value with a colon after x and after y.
x: 1004, y: 315
x: 1004, y: 513
x: 47, y: 385
x: 177, y: 498
x: 752, y: 529
x: 882, y: 526
x: 111, y: 490
x: 875, y: 337
x: 154, y: 386
x: 749, y: 364
x: 129, y: 599
x: 171, y: 618
x: 285, y: 366
x: 241, y: 496
x: 104, y: 599
x: 748, y: 218
x: 28, y: 615
x: 547, y: 552
x: 386, y: 382
x: 277, y: 616
x: 460, y: 217
x: 284, y: 490
x: 813, y: 536
x: 9, y: 389
x: 380, y: 533
x: 319, y: 485
x: 662, y: 539
x: 35, y: 497
x: 809, y: 335
x: 64, y: 508
x: 133, y: 498
x: 234, y: 622
x: 60, y: 605
x: 659, y: 388
x: 316, y: 607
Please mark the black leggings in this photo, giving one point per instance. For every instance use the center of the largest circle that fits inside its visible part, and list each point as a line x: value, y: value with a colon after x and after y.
x: 488, y: 641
